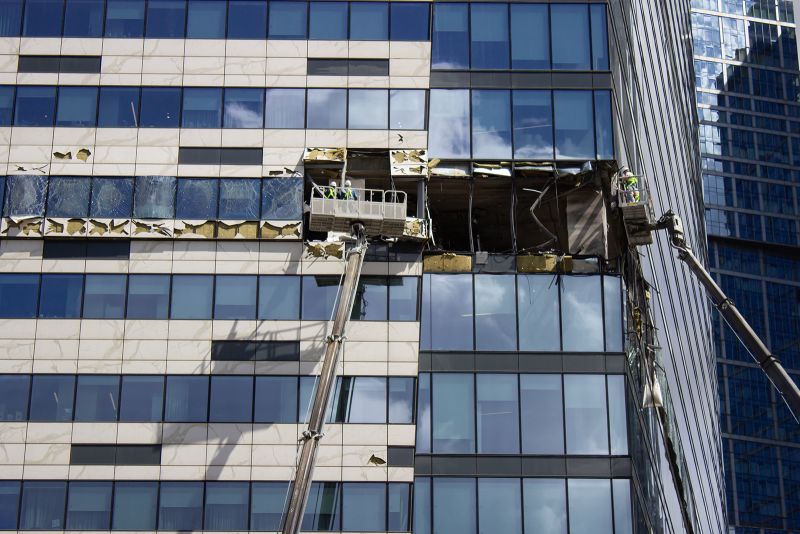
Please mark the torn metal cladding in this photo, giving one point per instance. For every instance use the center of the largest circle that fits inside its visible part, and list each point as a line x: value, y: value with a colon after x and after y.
x: 195, y: 229
x: 82, y: 154
x: 416, y: 229
x: 544, y: 263
x: 237, y: 229
x: 279, y: 230
x: 447, y: 262
x: 325, y: 154
x: 325, y: 250
x: 109, y: 228
x: 21, y: 227
x: 409, y: 162
x: 66, y: 227
x: 153, y: 228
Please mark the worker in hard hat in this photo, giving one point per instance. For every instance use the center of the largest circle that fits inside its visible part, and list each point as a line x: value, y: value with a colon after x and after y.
x: 630, y: 183
x: 349, y: 192
x: 331, y: 191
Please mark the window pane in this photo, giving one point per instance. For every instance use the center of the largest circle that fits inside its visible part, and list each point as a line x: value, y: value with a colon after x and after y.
x: 533, y: 124
x: 371, y: 299
x: 369, y: 21
x: 43, y: 505
x: 6, y: 100
x: 403, y: 298
x: 148, y: 296
x: 247, y: 19
x: 570, y: 36
x: 287, y: 20
x: 447, y: 312
x: 499, y: 505
x: 104, y: 296
x: 582, y: 313
x: 181, y: 506
x: 407, y: 109
x: 453, y: 414
x: 97, y: 398
x: 599, y: 37
x: 25, y: 196
x: 454, y: 506
x: 328, y: 21
x: 192, y: 296
x: 545, y: 503
x: 14, y: 397
x: 360, y: 400
x: 401, y: 400
x: 623, y: 523
x: 423, y: 441
x: 135, y: 505
x: 154, y: 197
x: 399, y: 507
x: 239, y: 198
x: 319, y: 297
x: 267, y: 505
x: 43, y: 18
x: 448, y: 129
x: 161, y: 107
x: 235, y: 297
x: 491, y: 124
x: 574, y: 125
x: 77, y: 106
x: 89, y: 506
x: 409, y: 21
x: 244, y: 108
x: 68, y: 197
x: 226, y: 506
x: 111, y: 198
x: 279, y: 298
x: 613, y: 313
x: 363, y: 506
x: 495, y: 314
x: 282, y: 199
x: 187, y: 399
x: 10, y: 19
x: 604, y: 125
x: 368, y: 109
x: 276, y: 399
x: 530, y: 37
x: 9, y: 502
x: 35, y: 106
x: 19, y: 295
x: 52, y: 397
x: 202, y: 107
x: 327, y: 108
x: 542, y: 414
x: 142, y: 398
x: 206, y: 19
x: 585, y: 408
x: 322, y: 509
x: 617, y: 420
x: 84, y: 18
x: 589, y: 506
x: 166, y: 18
x: 61, y: 296
x: 498, y: 414
x: 231, y: 399
x: 124, y: 18
x: 197, y: 198
x: 286, y: 108
x: 422, y: 506
x: 450, y: 41
x: 489, y: 32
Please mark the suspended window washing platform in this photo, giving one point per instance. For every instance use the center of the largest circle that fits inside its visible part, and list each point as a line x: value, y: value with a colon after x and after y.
x: 337, y: 209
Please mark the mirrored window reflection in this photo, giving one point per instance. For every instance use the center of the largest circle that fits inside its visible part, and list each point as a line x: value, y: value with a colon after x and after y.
x: 360, y: 399
x: 235, y: 297
x: 43, y: 18
x: 239, y: 198
x: 401, y: 400
x: 206, y: 19
x: 68, y: 197
x: 148, y: 296
x: 142, y: 398
x: 104, y: 296
x: 499, y: 506
x: 244, y: 108
x: 226, y: 506
x: 247, y: 19
x: 10, y: 19
x: 363, y: 506
x: 530, y: 37
x: 197, y: 198
x: 453, y: 505
x: 25, y: 196
x: 538, y: 309
x: 447, y: 312
x: 604, y: 125
x: 422, y: 505
x: 166, y: 18
x: 192, y: 295
x: 586, y: 416
x: 570, y: 36
x: 407, y: 109
x: 52, y: 397
x: 450, y: 40
x: 612, y: 303
x: 398, y: 507
x: 19, y: 295
x: 97, y: 398
x: 368, y: 109
x: 589, y: 506
x: 287, y: 20
x: 453, y: 405
x: 322, y: 507
x: 423, y: 440
x: 279, y: 298
x: 582, y: 313
x: 160, y: 107
x: 328, y: 21
x: 43, y: 505
x: 491, y: 124
x: 542, y: 414
x: 319, y: 297
x: 267, y: 502
x: 124, y: 18
x: 6, y: 103
x: 35, y: 106
x: 14, y: 397
x: 202, y: 107
x: 154, y: 197
x: 409, y: 21
x: 448, y: 128
x: 623, y: 522
x: 61, y: 296
x: 231, y: 399
x: 282, y: 199
x: 403, y: 298
x: 495, y: 313
x: 89, y: 506
x: 599, y: 37
x: 489, y: 35
x: 327, y: 109
x: 135, y: 505
x: 533, y: 123
x: 574, y: 124
x: 187, y: 399
x: 285, y: 108
x: 111, y: 198
x: 617, y: 420
x: 276, y: 399
x: 545, y: 505
x: 77, y: 106
x: 180, y: 506
x: 371, y: 299
x: 498, y: 414
x: 369, y: 21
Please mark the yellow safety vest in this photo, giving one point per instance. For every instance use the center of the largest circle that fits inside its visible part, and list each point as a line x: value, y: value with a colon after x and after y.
x: 331, y: 192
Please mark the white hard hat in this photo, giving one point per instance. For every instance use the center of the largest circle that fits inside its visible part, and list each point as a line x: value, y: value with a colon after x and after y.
x: 347, y: 183
x: 333, y: 183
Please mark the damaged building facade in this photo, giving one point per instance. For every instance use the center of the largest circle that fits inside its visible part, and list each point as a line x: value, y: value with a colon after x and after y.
x: 527, y: 357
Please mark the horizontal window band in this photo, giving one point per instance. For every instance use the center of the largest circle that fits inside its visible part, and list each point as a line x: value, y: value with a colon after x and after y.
x: 522, y: 466
x: 441, y: 79
x: 522, y: 362
x: 115, y: 454
x: 62, y: 64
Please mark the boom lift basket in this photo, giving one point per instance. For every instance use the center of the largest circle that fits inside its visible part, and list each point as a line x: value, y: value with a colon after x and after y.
x: 381, y: 212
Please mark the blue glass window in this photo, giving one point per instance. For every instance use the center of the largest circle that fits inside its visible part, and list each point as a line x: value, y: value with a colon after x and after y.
x: 489, y: 34
x: 542, y: 417
x: 52, y: 397
x: 491, y: 124
x: 235, y: 297
x: 322, y: 511
x: 453, y: 403
x: 582, y: 314
x: 276, y: 399
x: 119, y: 107
x: 25, y: 196
x: 586, y: 415
x: 84, y: 18
x: 448, y: 131
x: 239, y: 198
x: 530, y: 37
x: 197, y: 198
x: 401, y: 400
x: 202, y: 107
x: 570, y: 36
x: 403, y: 298
x: 192, y: 296
x: 226, y: 506
x: 111, y: 198
x: 279, y: 298
x: 267, y: 502
x: 574, y: 124
x: 206, y: 19
x: 319, y: 297
x: 287, y: 20
x: 135, y: 505
x: 166, y: 18
x: 599, y: 37
x: 187, y: 399
x: 359, y: 399
x: 409, y: 21
x: 612, y: 304
x: 35, y: 106
x: 43, y: 505
x: 9, y: 504
x: 89, y: 506
x: 285, y: 108
x: 161, y: 107
x: 247, y: 19
x: 446, y: 312
x: 244, y: 108
x: 43, y: 18
x: 545, y: 502
x: 181, y: 506
x: 589, y: 506
x: 68, y: 197
x: 142, y: 398
x: 328, y: 21
x: 399, y: 507
x: 154, y: 197
x: 10, y: 20
x: 61, y: 296
x: 451, y: 498
x: 368, y: 109
x: 231, y: 399
x: 497, y: 410
x: 124, y: 18
x: 617, y: 420
x: 327, y: 108
x: 97, y: 398
x: 148, y: 296
x: 495, y: 313
x: 499, y: 505
x: 407, y: 109
x: 6, y: 104
x: 533, y: 123
x: 14, y: 397
x: 450, y: 41
x: 369, y: 21
x: 19, y: 294
x: 77, y: 106
x: 604, y: 125
x: 363, y: 506
x: 282, y: 199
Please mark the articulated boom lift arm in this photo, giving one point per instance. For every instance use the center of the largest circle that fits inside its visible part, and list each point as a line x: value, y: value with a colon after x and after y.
x: 311, y: 436
x: 768, y: 362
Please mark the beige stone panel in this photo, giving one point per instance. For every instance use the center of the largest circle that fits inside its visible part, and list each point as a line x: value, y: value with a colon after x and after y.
x: 244, y: 80
x: 190, y: 329
x: 139, y: 433
x: 284, y: 455
x: 328, y: 49
x: 45, y: 472
x: 326, y: 138
x: 16, y: 349
x: 242, y: 137
x: 50, y: 453
x: 8, y: 78
x: 145, y: 349
x: 38, y: 46
x: 100, y: 349
x: 183, y: 472
x: 59, y: 329
x: 228, y: 472
x: 233, y: 330
x: 198, y: 170
x: 55, y: 366
x: 322, y: 267
x: 364, y: 434
x: 286, y: 66
x: 162, y: 79
x: 144, y: 367
x: 368, y: 138
x: 403, y: 331
x: 49, y: 433
x: 277, y: 473
x: 400, y: 474
x: 74, y: 78
x: 402, y: 435
x: 409, y: 67
x: 136, y: 472
x: 28, y: 154
x: 102, y: 328
x: 365, y: 474
x: 236, y: 267
x: 153, y: 250
x: 364, y: 368
x: 239, y: 171
x: 188, y: 367
x: 164, y: 47
x: 277, y: 368
x: 143, y: 169
x: 184, y: 433
x: 19, y: 266
x: 237, y: 455
x: 56, y: 349
x: 16, y: 366
x: 204, y: 80
x: 328, y: 474
x: 144, y: 329
x: 287, y: 48
x: 73, y: 139
x: 275, y: 434
x: 91, y: 472
x: 272, y: 267
x: 370, y: 82
x: 403, y: 351
x: 123, y: 47
x: 37, y: 78
x: 204, y: 65
x: 99, y: 366
x: 115, y: 154
x: 194, y: 267
x: 294, y: 139
x: 116, y: 137
x: 11, y: 472
x: 410, y: 49
x: 275, y: 80
x: 359, y: 455
x: 375, y: 268
x: 157, y: 154
x: 397, y: 268
x: 13, y: 431
x: 232, y: 368
x: 403, y: 368
x: 205, y: 47
x: 9, y: 45
x: 278, y: 330
x: 409, y: 82
x: 192, y: 251
x: 369, y: 49
x: 8, y: 63
x: 365, y: 351
x: 172, y: 454
x: 368, y: 331
x: 329, y: 455
x: 5, y: 135
x: 230, y: 433
x: 246, y: 48
x: 120, y: 79
x: 26, y: 135
x: 188, y: 349
x: 326, y: 81
x: 17, y: 328
x: 238, y: 250
x: 121, y: 65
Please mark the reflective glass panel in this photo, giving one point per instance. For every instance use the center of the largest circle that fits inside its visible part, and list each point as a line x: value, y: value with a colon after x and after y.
x: 35, y: 106
x: 6, y: 100
x: 89, y: 506
x: 360, y: 399
x: 52, y: 397
x: 401, y: 400
x: 530, y: 37
x: 124, y: 18
x: 166, y: 18
x: 192, y: 296
x: 319, y: 297
x: 43, y: 18
x: 187, y: 399
x: 226, y: 506
x: 447, y: 312
x: 453, y: 405
x: 287, y: 20
x: 282, y: 199
x: 371, y: 299
x: 582, y: 313
x: 154, y: 197
x: 542, y: 414
x: 537, y: 301
x: 61, y: 296
x: 574, y: 125
x: 84, y: 18
x: 617, y: 420
x: 267, y: 505
x: 328, y: 21
x: 197, y: 198
x: 623, y: 523
x: 43, y: 505
x: 77, y: 106
x: 160, y: 107
x: 68, y: 197
x: 450, y: 40
x: 10, y: 19
x: 409, y: 21
x: 368, y: 109
x: 491, y: 124
x: 545, y: 503
x: 604, y: 125
x: 276, y: 399
x: 9, y: 501
x: 599, y: 37
x: 570, y: 36
x: 235, y: 297
x: 327, y: 108
x: 279, y: 298
x: 423, y: 441
x: 498, y: 414
x: 239, y: 198
x: 322, y: 508
x: 586, y: 417
x: 247, y: 19
x: 399, y: 507
x: 489, y: 34
x: 244, y: 108
x: 135, y: 505
x: 369, y: 21
x: 286, y: 108
x: 142, y: 398
x: 403, y: 298
x: 422, y: 506
x: 533, y: 123
x: 111, y: 198
x: 231, y: 399
x: 25, y: 196
x: 499, y: 505
x: 407, y: 109
x: 206, y: 19
x: 454, y: 505
x: 589, y: 506
x: 448, y: 129
x: 14, y: 397
x: 148, y: 296
x: 612, y: 304
x: 202, y: 107
x: 363, y: 506
x: 495, y: 313
x: 180, y: 506
x: 97, y: 398
x: 19, y: 295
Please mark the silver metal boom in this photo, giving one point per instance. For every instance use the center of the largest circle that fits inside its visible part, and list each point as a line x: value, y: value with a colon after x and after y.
x: 312, y: 435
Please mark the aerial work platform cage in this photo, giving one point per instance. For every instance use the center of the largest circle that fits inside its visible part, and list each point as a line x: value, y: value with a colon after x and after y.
x: 337, y: 209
